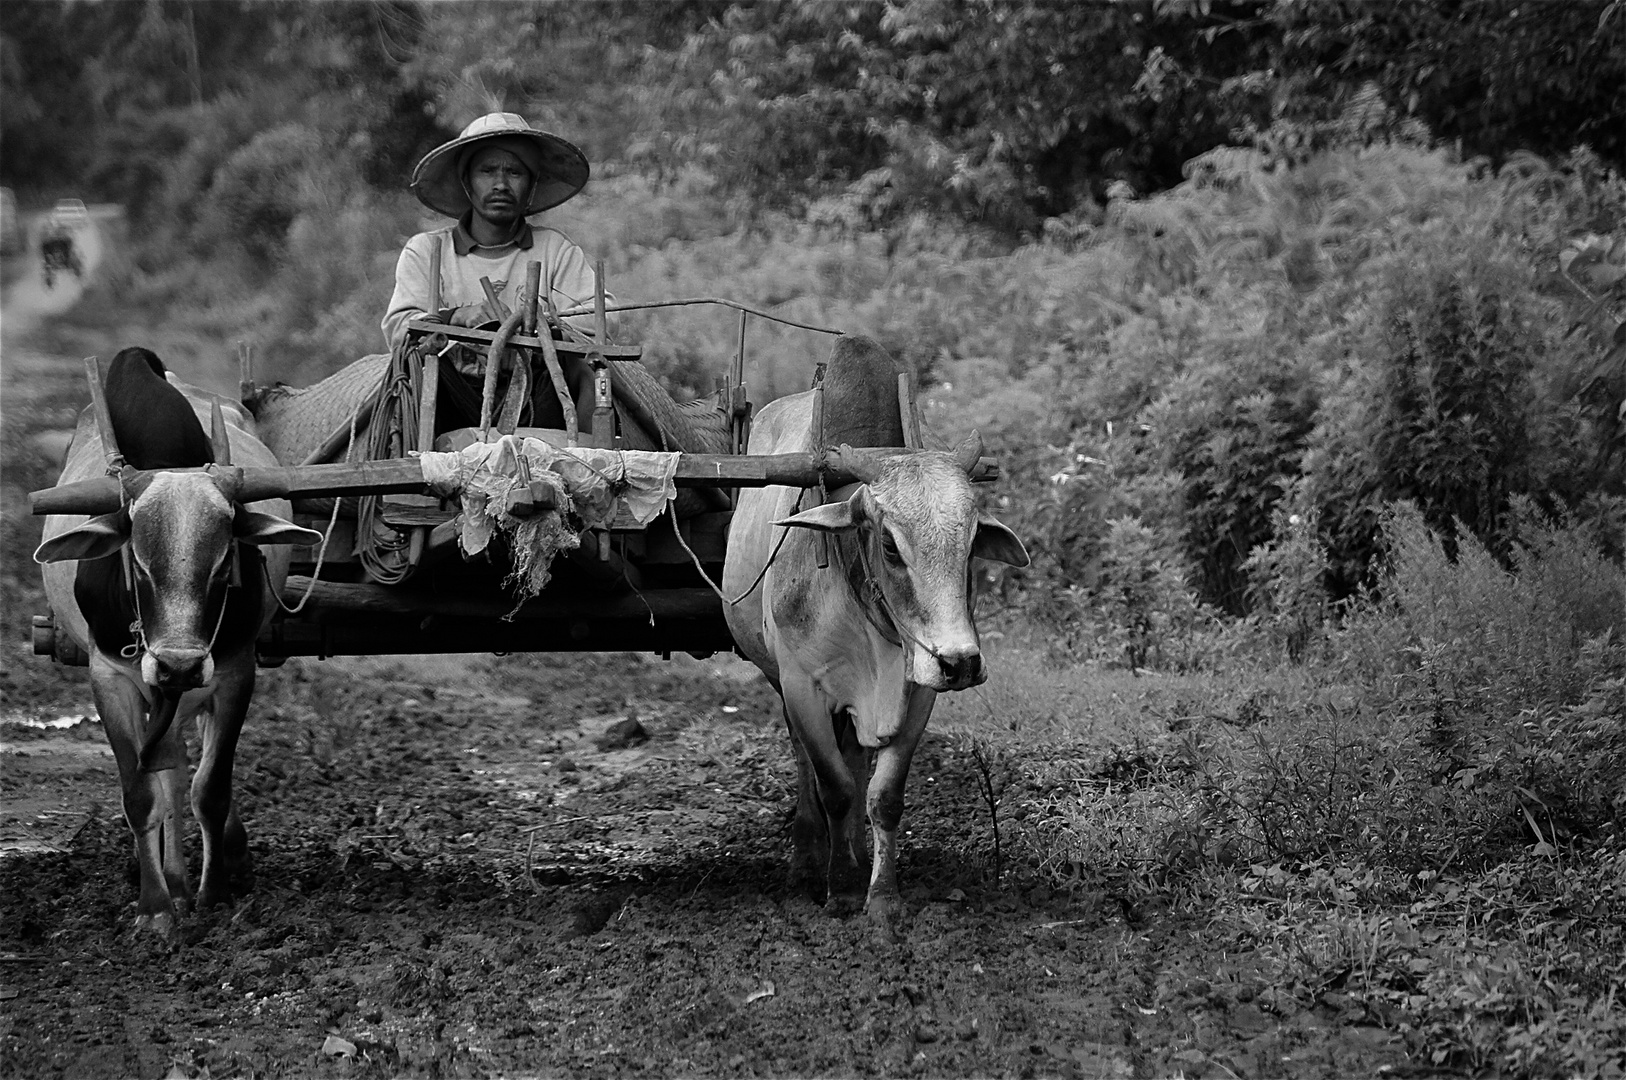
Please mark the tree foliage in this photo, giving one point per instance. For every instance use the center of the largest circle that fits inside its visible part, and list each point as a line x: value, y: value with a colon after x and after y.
x: 1007, y: 113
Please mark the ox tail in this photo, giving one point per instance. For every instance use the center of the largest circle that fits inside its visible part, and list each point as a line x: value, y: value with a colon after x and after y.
x: 159, y: 719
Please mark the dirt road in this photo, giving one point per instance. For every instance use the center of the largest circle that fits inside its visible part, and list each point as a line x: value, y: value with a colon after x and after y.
x: 461, y: 873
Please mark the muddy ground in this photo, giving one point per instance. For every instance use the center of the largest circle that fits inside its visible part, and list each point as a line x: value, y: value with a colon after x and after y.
x: 461, y: 871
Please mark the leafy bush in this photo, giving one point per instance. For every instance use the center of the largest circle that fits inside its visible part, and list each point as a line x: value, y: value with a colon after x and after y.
x: 1488, y: 639
x: 1287, y: 578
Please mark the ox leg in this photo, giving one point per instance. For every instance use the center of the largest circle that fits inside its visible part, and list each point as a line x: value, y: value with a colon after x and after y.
x: 811, y: 716
x: 172, y: 782
x: 885, y: 804
x: 810, y: 842
x: 856, y: 757
x: 147, y: 797
x: 225, y: 841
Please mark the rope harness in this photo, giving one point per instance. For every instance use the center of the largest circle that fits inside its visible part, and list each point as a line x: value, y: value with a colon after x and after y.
x: 872, y: 599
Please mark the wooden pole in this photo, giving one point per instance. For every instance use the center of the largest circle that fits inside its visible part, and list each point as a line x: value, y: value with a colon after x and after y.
x: 533, y: 286
x: 822, y: 559
x: 561, y: 389
x: 601, y: 325
x: 434, y: 279
x: 494, y: 358
x: 247, y: 392
x: 368, y: 598
x: 390, y: 476
x: 427, y: 399
x: 104, y: 419
x: 909, y: 410
x: 499, y: 310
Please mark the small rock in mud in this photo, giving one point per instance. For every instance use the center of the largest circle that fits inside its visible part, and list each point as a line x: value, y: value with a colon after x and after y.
x: 564, y: 764
x: 926, y: 1033
x: 965, y: 1030
x: 622, y: 734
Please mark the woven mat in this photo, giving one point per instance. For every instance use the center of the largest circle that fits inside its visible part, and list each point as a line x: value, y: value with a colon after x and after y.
x: 293, y: 422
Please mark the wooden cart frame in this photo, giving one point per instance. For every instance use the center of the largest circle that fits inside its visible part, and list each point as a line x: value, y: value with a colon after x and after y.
x: 651, y: 588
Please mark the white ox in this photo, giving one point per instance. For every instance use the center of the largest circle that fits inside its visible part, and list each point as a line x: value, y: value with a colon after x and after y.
x: 173, y: 561
x: 860, y: 649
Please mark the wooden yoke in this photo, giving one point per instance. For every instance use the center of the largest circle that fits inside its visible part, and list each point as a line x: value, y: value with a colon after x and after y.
x: 104, y: 419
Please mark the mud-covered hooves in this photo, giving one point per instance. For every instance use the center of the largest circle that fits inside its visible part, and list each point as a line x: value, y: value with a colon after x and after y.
x: 156, y: 928
x: 843, y: 905
x: 222, y: 898
x: 806, y: 885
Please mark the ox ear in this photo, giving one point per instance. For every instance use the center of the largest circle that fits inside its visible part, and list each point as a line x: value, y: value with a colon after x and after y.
x: 830, y: 517
x: 997, y: 543
x: 253, y: 527
x: 95, y: 539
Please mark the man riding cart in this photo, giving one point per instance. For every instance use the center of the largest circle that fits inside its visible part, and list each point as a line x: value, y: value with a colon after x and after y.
x: 549, y: 439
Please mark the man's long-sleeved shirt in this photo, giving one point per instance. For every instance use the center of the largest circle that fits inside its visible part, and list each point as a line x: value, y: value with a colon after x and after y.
x: 567, y: 280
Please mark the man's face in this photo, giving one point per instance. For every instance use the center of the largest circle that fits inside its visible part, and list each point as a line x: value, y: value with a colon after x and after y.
x: 499, y: 185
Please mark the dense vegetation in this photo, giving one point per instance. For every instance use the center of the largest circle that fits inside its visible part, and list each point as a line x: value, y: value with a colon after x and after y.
x: 1297, y: 329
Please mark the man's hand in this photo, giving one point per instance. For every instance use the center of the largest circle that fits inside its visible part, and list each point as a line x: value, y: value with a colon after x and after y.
x: 471, y: 315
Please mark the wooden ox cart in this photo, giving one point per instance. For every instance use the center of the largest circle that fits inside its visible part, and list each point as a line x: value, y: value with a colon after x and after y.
x: 528, y: 488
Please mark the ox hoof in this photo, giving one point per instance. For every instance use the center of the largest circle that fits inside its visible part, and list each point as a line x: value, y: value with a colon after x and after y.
x: 842, y: 905
x: 158, y: 924
x: 805, y: 881
x: 886, y: 913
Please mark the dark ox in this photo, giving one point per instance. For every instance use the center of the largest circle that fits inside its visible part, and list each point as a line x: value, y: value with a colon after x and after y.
x: 167, y: 597
x: 860, y: 649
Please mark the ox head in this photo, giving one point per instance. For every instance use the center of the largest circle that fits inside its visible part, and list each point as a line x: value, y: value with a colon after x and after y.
x: 180, y: 530
x: 915, y: 524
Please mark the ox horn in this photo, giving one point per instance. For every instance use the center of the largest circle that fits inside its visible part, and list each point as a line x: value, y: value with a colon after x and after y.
x: 969, y: 452
x: 217, y: 434
x: 864, y: 467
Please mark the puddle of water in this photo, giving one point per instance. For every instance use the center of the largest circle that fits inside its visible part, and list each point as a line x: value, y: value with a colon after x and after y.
x: 60, y: 723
